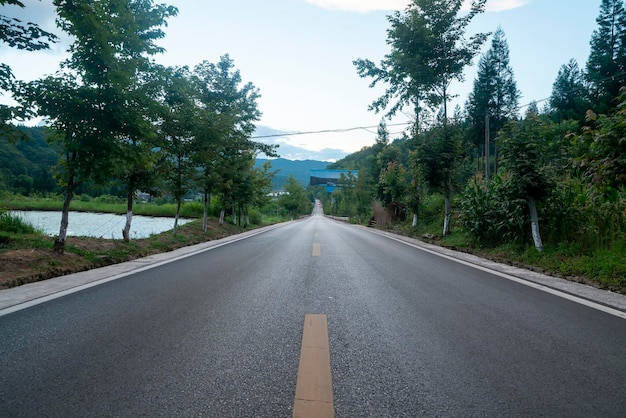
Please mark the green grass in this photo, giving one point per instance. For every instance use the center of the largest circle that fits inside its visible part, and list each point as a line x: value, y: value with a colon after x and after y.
x: 82, y: 204
x: 15, y: 225
x: 605, y: 268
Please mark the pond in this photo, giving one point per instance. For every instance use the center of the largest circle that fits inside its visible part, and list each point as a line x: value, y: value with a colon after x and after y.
x: 100, y: 225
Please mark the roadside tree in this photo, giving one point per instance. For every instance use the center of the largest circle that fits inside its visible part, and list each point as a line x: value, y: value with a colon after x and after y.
x: 25, y: 36
x: 494, y: 98
x: 606, y: 65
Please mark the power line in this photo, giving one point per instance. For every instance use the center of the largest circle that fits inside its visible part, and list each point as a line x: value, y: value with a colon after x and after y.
x: 367, y: 128
x: 326, y: 131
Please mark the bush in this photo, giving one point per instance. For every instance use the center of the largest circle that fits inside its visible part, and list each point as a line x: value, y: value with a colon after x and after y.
x: 255, y: 217
x: 107, y: 198
x: 493, y: 215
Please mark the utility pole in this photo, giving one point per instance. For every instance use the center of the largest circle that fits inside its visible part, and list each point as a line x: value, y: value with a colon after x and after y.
x: 487, y: 147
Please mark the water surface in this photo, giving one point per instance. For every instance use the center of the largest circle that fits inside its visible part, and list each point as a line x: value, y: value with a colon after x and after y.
x: 101, y: 225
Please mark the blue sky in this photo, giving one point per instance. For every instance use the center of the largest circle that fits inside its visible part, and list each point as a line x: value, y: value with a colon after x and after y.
x: 299, y: 54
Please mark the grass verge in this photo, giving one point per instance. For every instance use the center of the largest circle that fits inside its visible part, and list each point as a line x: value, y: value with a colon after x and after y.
x: 603, y: 268
x: 28, y: 257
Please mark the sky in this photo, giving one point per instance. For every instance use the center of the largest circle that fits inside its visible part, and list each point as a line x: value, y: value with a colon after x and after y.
x: 299, y: 54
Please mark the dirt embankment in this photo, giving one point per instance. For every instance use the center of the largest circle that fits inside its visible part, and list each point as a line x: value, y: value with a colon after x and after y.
x: 32, y: 259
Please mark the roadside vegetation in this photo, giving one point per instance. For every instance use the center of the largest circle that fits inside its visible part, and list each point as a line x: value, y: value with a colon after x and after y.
x: 543, y: 188
x: 26, y: 254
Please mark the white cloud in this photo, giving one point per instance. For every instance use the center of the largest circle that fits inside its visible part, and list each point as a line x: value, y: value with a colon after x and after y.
x: 373, y: 5
x: 360, y: 5
x: 502, y: 5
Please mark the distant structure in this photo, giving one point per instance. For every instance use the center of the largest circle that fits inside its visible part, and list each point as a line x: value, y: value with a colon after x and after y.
x: 330, y: 178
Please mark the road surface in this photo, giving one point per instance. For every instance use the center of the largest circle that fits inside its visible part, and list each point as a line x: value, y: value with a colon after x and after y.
x: 218, y: 334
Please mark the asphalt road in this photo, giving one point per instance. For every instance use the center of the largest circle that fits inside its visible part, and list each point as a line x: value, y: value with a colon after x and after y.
x: 218, y: 334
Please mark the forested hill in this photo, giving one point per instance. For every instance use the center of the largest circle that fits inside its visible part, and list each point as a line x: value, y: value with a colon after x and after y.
x: 26, y: 161
x: 26, y: 164
x: 300, y: 169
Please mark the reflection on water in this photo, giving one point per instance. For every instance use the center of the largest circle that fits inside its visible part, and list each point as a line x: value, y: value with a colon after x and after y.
x: 104, y: 225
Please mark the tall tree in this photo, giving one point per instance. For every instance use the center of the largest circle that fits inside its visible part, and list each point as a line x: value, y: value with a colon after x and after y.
x: 606, y: 65
x: 80, y: 127
x: 568, y: 100
x: 229, y: 111
x: 495, y: 96
x: 102, y: 98
x: 524, y: 149
x: 26, y: 36
x: 176, y: 133
x: 393, y: 184
x: 437, y: 158
x: 429, y: 50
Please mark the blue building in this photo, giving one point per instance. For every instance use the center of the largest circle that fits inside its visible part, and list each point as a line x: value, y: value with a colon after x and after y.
x: 330, y: 178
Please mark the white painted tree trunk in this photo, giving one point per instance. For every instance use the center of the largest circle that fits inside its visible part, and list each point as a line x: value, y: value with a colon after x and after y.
x: 448, y: 214
x: 126, y: 230
x: 534, y: 223
x: 129, y: 216
x: 222, y: 214
x: 414, y: 220
x: 59, y: 242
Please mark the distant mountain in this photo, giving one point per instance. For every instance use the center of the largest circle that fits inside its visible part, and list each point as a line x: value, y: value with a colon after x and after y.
x: 300, y: 169
x: 287, y: 150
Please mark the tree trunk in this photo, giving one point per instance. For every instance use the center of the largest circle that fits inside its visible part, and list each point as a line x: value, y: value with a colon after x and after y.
x: 487, y: 147
x: 495, y: 159
x: 222, y: 213
x: 176, y: 217
x: 234, y: 214
x: 414, y: 220
x: 129, y: 215
x: 205, y: 211
x: 448, y: 213
x: 59, y: 242
x: 534, y: 223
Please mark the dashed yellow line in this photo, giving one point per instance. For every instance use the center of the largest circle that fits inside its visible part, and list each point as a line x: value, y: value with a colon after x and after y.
x: 314, y: 387
x: 317, y: 250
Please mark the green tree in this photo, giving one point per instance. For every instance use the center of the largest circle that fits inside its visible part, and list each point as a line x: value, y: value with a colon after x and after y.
x: 606, y: 65
x: 393, y: 181
x: 78, y: 126
x: 176, y: 131
x: 568, y: 100
x: 224, y: 151
x: 523, y: 154
x: 25, y: 36
x: 495, y: 96
x: 602, y: 149
x: 437, y: 158
x: 294, y: 200
x: 428, y: 51
x: 99, y: 106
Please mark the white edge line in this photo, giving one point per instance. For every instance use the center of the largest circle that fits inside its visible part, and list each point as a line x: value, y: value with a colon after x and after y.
x: 564, y: 295
x: 23, y: 305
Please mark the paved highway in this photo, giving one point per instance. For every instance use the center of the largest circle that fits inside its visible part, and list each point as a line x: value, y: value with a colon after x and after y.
x: 218, y: 334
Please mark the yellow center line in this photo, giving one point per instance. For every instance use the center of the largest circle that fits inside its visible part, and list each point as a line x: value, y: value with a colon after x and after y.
x: 314, y: 387
x: 317, y: 250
